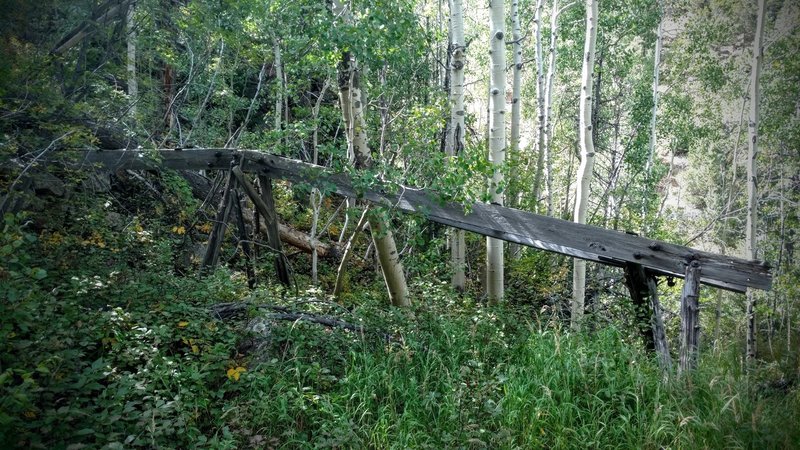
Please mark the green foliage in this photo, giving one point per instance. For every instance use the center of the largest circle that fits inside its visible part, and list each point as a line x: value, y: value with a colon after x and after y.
x: 105, y: 356
x: 537, y: 278
x: 467, y: 376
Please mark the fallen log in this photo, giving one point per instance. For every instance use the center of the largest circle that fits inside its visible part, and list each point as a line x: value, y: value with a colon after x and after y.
x: 304, y: 242
x: 225, y: 311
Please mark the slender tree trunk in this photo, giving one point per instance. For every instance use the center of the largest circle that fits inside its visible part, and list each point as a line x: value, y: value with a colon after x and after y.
x: 752, y: 198
x: 516, y: 86
x: 548, y: 105
x: 352, y: 104
x: 276, y: 47
x: 455, y: 140
x: 587, y: 158
x: 169, y: 97
x: 346, y: 254
x: 540, y: 78
x: 516, y: 112
x: 316, y: 196
x: 133, y: 81
x: 653, y: 117
x: 497, y: 143
x: 656, y: 63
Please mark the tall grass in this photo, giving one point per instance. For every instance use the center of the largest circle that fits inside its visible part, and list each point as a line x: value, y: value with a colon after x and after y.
x: 470, y: 377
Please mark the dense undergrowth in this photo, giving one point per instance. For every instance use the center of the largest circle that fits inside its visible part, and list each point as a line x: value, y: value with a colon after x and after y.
x: 105, y: 344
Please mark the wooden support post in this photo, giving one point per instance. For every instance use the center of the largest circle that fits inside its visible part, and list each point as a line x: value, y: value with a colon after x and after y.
x: 636, y: 280
x: 243, y: 241
x: 644, y: 294
x: 659, y: 332
x: 220, y: 225
x: 266, y: 206
x: 690, y: 317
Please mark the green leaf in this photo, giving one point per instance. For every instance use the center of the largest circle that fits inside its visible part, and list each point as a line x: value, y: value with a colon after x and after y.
x: 38, y: 273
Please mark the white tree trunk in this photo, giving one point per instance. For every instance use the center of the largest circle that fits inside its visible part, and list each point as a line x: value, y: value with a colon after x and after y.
x: 455, y: 139
x: 587, y: 158
x: 497, y: 143
x: 516, y: 108
x: 351, y: 100
x: 133, y: 82
x: 316, y: 196
x: 752, y: 154
x: 656, y: 63
x: 548, y: 106
x: 516, y: 84
x: 278, y: 85
x: 537, y: 180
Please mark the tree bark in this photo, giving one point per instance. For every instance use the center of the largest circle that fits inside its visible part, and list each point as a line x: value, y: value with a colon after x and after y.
x: 316, y: 196
x: 347, y: 253
x: 548, y: 106
x: 587, y: 158
x: 537, y: 180
x: 656, y: 63
x: 690, y: 318
x: 516, y: 110
x: 352, y: 103
x: 455, y: 139
x: 276, y: 47
x: 752, y: 186
x: 497, y: 144
x: 133, y: 82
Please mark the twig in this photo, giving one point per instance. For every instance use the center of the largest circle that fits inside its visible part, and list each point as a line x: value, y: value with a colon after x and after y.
x: 224, y: 311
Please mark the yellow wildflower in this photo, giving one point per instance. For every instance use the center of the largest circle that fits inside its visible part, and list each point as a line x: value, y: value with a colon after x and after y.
x: 235, y: 373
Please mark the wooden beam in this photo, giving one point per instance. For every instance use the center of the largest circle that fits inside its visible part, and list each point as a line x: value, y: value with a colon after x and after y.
x: 644, y: 294
x: 217, y: 234
x: 266, y: 207
x: 244, y: 241
x: 690, y: 318
x: 102, y: 15
x: 546, y: 233
x: 267, y: 202
x: 636, y: 281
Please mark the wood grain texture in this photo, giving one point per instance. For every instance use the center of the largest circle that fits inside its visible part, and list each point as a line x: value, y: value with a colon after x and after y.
x: 542, y: 232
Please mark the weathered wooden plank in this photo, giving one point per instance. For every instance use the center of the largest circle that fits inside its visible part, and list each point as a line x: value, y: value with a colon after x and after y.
x: 690, y: 318
x: 270, y: 216
x: 546, y: 233
x: 267, y: 210
x: 217, y: 234
x: 636, y: 281
x: 244, y: 241
x: 644, y: 294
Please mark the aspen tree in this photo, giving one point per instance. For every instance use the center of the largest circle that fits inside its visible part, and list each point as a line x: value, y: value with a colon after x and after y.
x: 584, y: 178
x: 752, y: 154
x: 352, y: 104
x: 537, y: 180
x: 656, y: 63
x: 455, y: 139
x: 516, y: 105
x: 497, y: 142
x: 133, y: 82
x: 548, y: 105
